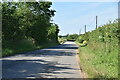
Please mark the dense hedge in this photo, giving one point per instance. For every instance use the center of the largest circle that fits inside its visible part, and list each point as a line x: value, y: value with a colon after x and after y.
x: 103, y: 47
x: 25, y: 19
x: 30, y: 21
x: 108, y: 33
x: 72, y: 37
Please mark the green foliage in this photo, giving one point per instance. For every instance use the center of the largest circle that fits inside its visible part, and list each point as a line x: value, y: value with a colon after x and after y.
x: 108, y: 33
x: 101, y: 53
x: 62, y: 40
x: 26, y: 20
x: 72, y: 37
x: 53, y: 32
x: 11, y: 48
x: 80, y: 39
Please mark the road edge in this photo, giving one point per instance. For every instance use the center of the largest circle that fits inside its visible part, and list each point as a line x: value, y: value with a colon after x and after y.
x: 82, y: 73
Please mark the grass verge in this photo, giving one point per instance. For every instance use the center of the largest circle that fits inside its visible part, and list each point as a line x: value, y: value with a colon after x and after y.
x: 98, y: 62
x: 12, y: 48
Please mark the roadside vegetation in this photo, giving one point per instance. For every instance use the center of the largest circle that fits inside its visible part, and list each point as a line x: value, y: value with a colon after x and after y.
x: 62, y: 39
x: 27, y: 26
x: 99, y: 51
x: 68, y: 37
x: 72, y: 37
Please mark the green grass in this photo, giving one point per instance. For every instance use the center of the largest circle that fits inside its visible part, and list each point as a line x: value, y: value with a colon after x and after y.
x: 99, y: 59
x: 12, y: 48
x: 98, y: 62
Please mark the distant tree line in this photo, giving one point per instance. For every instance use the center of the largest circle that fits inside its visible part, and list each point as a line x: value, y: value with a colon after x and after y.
x: 28, y: 20
x: 70, y: 37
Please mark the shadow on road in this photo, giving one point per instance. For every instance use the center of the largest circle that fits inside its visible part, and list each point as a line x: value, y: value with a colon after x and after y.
x: 65, y: 46
x: 31, y: 68
x: 61, y: 50
x: 39, y: 67
x: 51, y: 53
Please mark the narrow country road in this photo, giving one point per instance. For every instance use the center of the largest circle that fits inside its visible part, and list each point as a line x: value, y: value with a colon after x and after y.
x: 54, y: 62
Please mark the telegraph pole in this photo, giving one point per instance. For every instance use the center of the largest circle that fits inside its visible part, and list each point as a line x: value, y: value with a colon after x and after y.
x: 80, y: 32
x: 85, y: 28
x: 96, y: 22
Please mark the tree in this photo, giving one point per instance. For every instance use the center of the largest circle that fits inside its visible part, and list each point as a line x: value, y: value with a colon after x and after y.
x: 53, y: 32
x: 72, y: 37
x: 28, y: 20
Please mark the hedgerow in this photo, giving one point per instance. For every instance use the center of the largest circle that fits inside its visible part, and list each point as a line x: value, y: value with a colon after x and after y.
x: 103, y: 44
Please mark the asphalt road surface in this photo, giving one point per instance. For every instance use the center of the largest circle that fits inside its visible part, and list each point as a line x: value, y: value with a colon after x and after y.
x: 55, y: 62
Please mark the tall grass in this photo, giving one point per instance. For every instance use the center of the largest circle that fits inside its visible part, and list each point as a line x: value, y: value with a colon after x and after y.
x: 100, y: 57
x: 97, y: 62
x: 12, y: 48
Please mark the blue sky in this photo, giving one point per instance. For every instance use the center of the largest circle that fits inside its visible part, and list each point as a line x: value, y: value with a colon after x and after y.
x: 72, y: 16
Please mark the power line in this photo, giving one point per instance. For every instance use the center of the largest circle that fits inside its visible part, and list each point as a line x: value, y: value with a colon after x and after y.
x: 94, y: 19
x: 91, y: 22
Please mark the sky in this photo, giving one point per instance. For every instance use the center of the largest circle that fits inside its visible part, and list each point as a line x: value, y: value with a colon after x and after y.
x: 71, y: 17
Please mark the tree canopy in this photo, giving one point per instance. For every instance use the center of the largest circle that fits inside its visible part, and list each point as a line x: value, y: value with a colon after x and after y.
x: 21, y: 20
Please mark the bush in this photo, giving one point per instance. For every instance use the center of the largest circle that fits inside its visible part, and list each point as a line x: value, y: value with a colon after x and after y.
x: 79, y: 39
x: 72, y: 37
x: 102, y: 51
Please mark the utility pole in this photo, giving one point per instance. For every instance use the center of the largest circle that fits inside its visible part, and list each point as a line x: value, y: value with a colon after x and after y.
x: 80, y: 32
x: 85, y: 28
x: 96, y: 22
